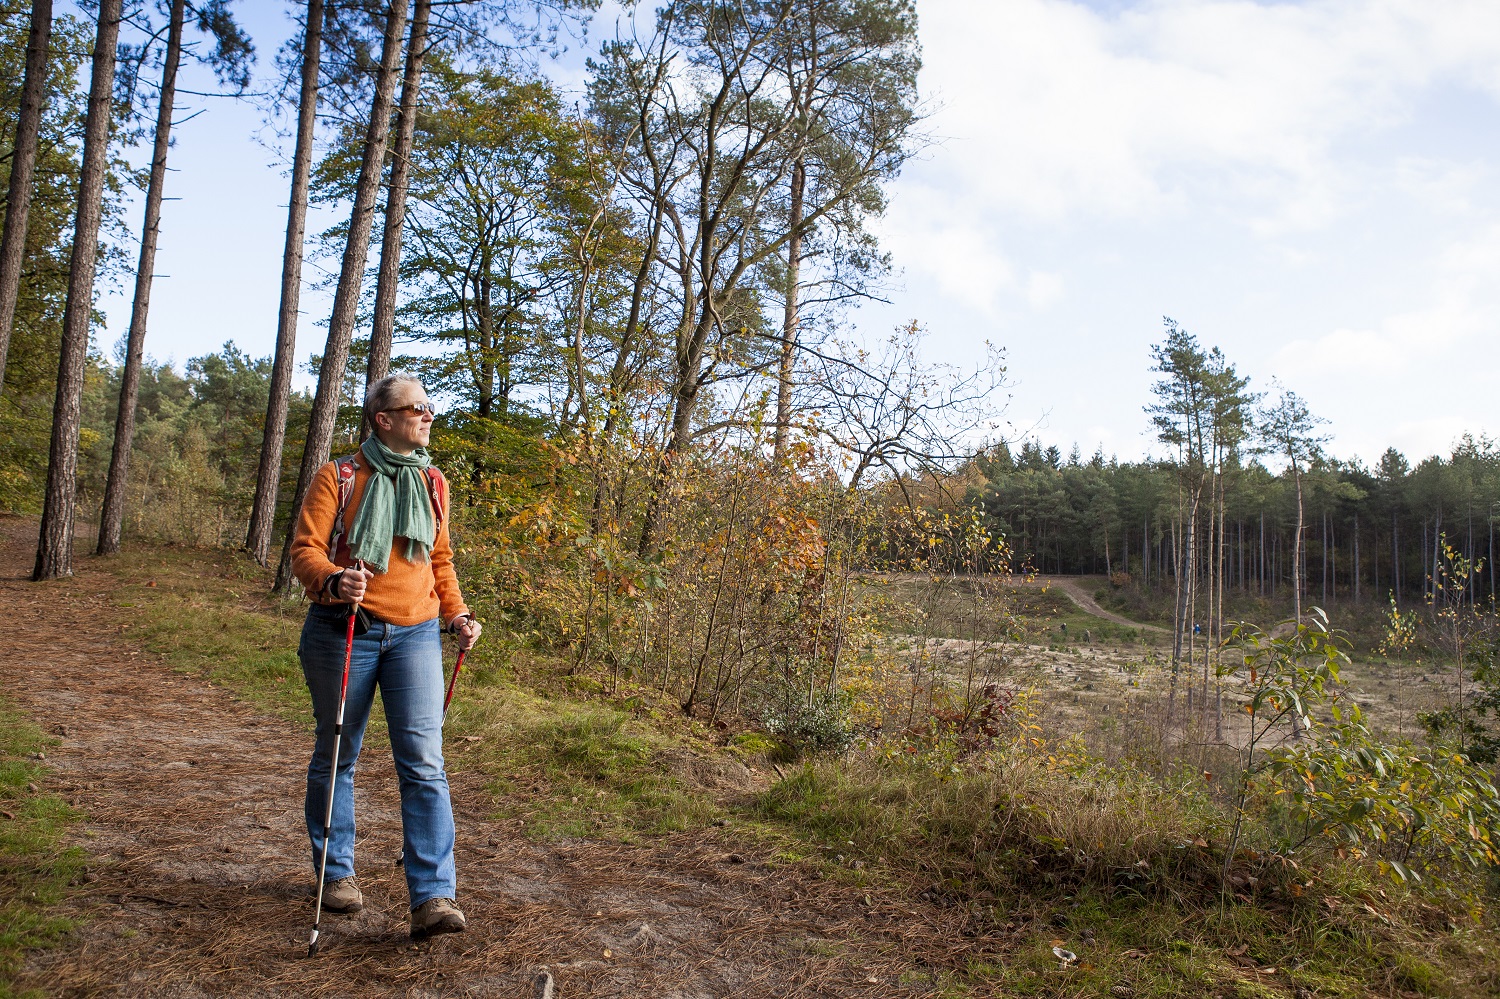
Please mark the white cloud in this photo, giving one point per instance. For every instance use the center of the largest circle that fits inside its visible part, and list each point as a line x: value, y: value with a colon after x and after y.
x: 1418, y: 439
x: 1418, y: 379
x: 1043, y: 289
x: 1462, y: 317
x: 935, y: 242
x: 1055, y: 110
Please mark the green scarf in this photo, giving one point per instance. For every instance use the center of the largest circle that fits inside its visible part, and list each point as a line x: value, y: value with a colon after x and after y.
x: 395, y: 502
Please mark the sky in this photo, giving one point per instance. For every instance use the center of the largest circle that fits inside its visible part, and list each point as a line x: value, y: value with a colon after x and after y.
x: 1312, y: 187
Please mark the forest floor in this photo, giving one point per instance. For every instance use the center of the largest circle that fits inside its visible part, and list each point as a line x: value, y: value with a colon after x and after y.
x: 198, y: 881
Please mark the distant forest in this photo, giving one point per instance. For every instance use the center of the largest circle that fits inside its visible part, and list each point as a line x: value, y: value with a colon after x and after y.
x: 1369, y: 532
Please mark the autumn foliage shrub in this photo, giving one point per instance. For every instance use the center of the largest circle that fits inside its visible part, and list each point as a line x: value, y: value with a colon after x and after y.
x: 744, y: 605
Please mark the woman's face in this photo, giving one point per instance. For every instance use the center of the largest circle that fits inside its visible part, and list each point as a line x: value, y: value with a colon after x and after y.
x: 399, y: 426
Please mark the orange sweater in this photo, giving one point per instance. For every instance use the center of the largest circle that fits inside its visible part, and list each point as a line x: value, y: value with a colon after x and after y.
x: 407, y: 593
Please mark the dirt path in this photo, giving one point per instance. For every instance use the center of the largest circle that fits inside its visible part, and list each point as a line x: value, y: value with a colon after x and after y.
x: 1087, y: 603
x: 199, y: 880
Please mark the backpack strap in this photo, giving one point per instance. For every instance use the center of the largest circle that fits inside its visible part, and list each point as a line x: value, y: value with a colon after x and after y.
x: 338, y: 547
x: 437, y: 491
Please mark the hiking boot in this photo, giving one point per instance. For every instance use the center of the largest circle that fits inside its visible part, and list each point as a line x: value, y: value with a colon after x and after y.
x: 342, y: 895
x: 437, y: 915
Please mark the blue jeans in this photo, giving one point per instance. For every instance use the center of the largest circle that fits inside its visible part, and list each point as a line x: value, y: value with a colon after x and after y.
x: 406, y: 661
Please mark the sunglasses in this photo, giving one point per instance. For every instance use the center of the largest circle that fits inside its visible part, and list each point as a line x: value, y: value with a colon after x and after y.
x: 417, y: 408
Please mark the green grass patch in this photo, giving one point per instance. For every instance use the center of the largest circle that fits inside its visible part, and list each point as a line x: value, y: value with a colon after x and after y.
x: 1012, y: 823
x: 210, y: 613
x: 35, y: 868
x: 562, y: 767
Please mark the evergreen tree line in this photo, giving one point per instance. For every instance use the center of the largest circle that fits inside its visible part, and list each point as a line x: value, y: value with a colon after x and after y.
x: 1370, y: 532
x: 1320, y: 528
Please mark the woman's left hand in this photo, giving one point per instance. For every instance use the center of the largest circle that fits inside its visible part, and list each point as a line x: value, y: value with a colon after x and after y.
x: 468, y: 632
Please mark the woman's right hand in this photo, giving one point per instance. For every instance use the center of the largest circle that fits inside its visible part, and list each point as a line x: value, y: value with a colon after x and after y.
x: 351, y: 585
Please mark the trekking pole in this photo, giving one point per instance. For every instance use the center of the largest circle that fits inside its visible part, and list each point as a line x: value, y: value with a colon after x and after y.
x: 448, y: 699
x: 333, y: 772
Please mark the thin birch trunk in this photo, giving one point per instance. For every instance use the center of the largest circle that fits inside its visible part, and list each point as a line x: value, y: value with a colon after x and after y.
x: 113, y: 514
x: 1297, y: 549
x: 54, y: 555
x: 1297, y: 577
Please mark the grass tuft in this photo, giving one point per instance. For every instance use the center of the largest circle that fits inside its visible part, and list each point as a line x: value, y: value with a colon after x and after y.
x: 36, y: 870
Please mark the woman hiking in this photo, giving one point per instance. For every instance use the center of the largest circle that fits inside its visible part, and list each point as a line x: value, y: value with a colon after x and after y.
x: 373, y: 538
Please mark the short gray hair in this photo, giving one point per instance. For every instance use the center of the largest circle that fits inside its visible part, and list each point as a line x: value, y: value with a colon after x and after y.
x: 383, y: 393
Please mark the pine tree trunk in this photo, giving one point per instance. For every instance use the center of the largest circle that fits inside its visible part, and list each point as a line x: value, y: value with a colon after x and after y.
x: 1424, y: 558
x: 113, y: 514
x: 383, y: 325
x: 346, y: 298
x: 1356, y: 558
x: 22, y: 167
x: 682, y: 419
x: 1179, y: 615
x: 1191, y: 568
x: 1218, y: 639
x: 268, y: 478
x: 1325, y: 559
x: 1395, y: 559
x: 1492, y: 551
x: 789, y: 325
x: 54, y: 555
x: 1433, y: 575
x: 1469, y: 554
x: 1146, y: 551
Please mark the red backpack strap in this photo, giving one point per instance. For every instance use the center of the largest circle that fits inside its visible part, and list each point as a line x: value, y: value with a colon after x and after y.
x: 437, y: 489
x: 338, y: 548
